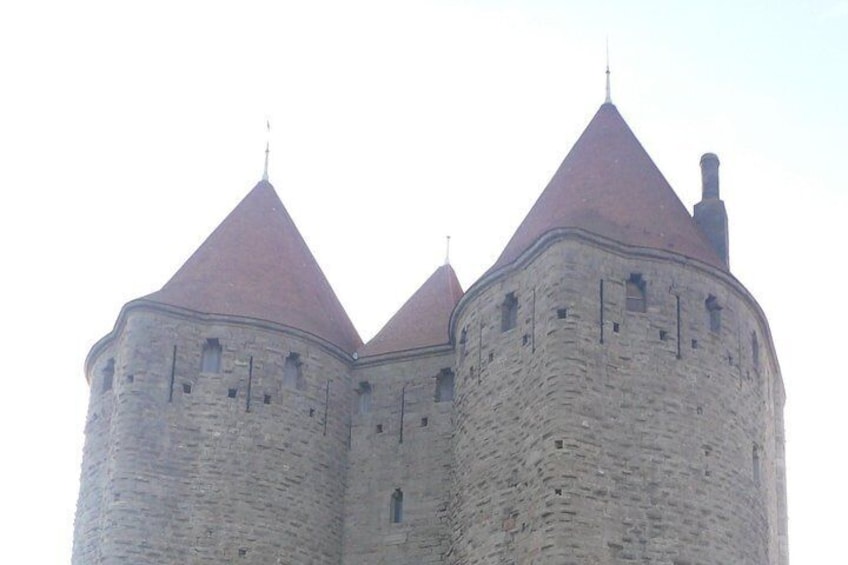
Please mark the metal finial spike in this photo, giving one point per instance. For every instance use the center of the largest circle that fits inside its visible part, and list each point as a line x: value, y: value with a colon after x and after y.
x: 267, y: 150
x: 608, y: 99
x: 447, y: 251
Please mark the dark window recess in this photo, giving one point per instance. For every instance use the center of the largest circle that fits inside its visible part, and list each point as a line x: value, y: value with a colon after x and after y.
x: 699, y: 410
x: 187, y: 388
x: 379, y: 428
x: 231, y: 393
x: 210, y: 360
x: 396, y: 507
x: 266, y: 399
x: 616, y: 327
x: 292, y: 372
x: 242, y: 552
x: 714, y: 313
x: 694, y: 344
x: 463, y: 340
x: 424, y: 422
x: 562, y: 313
x: 312, y: 412
x: 663, y: 335
x: 558, y: 443
x: 509, y: 312
x: 558, y: 491
x: 491, y: 356
x: 525, y: 339
x: 444, y: 386
x: 635, y: 293
x: 130, y: 378
x: 364, y: 392
x: 108, y: 375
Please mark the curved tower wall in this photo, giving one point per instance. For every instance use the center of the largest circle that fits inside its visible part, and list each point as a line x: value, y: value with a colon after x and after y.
x: 570, y: 449
x: 199, y: 478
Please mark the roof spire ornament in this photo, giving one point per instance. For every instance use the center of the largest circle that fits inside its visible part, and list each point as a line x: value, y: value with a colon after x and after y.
x: 447, y: 251
x: 608, y: 99
x: 267, y: 149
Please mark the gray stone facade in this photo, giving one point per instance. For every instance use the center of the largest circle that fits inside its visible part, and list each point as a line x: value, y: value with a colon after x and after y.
x: 595, y: 401
x: 584, y: 437
x: 558, y: 447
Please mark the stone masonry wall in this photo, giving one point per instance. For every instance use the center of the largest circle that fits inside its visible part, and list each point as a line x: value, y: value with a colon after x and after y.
x: 199, y: 479
x: 401, y: 390
x: 662, y: 444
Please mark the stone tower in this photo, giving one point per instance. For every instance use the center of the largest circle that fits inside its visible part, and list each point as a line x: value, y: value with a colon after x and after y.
x: 607, y: 392
x: 618, y: 396
x: 218, y: 421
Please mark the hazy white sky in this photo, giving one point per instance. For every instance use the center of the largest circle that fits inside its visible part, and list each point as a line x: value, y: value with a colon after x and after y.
x: 127, y: 132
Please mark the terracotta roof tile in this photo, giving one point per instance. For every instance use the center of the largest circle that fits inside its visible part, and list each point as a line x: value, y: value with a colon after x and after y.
x: 423, y: 320
x: 608, y: 185
x: 256, y: 264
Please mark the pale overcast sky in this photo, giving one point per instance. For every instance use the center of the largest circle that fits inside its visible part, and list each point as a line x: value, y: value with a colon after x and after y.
x: 128, y: 131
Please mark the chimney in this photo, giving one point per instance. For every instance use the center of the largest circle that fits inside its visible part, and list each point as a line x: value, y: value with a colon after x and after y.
x: 710, y: 214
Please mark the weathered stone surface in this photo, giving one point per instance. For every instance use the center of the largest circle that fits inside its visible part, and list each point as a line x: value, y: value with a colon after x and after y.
x: 199, y: 479
x: 558, y: 448
x: 607, y: 452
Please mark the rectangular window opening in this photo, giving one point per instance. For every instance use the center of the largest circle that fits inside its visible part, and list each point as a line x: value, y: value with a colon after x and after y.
x: 635, y: 293
x: 445, y: 386
x: 396, y: 507
x: 231, y: 393
x: 210, y: 361
x: 714, y: 313
x: 364, y: 392
x: 509, y: 312
x: 293, y: 372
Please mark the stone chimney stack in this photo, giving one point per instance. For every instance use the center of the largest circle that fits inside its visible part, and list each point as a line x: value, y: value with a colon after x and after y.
x: 710, y: 214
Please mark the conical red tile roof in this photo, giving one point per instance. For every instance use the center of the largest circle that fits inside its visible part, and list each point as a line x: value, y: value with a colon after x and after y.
x: 423, y: 320
x: 257, y: 265
x: 609, y: 186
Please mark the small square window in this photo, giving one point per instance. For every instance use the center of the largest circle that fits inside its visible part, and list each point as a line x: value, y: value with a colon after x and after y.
x: 231, y: 393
